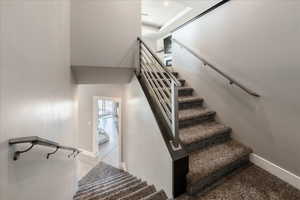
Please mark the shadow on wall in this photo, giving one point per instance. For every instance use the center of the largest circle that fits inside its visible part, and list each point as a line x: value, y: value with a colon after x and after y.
x: 130, y: 56
x: 35, y: 177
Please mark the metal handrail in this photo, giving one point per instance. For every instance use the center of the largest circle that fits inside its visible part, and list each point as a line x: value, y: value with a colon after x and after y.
x: 35, y: 140
x: 160, y: 63
x: 163, y: 89
x: 207, y: 63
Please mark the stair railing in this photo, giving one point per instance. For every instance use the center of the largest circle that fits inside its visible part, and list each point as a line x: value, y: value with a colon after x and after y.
x: 163, y: 88
x: 231, y: 80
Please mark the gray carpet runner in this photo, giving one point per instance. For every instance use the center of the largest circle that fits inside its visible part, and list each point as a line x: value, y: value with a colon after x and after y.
x: 105, y: 182
x: 214, y: 157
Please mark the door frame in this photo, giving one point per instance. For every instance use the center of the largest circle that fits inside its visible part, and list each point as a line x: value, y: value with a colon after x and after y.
x: 94, y: 124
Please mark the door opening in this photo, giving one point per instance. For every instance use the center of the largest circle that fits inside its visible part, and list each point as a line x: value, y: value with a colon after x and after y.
x: 107, y: 131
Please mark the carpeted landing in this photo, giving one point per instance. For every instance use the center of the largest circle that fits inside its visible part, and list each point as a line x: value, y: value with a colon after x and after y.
x: 248, y: 183
x: 105, y: 182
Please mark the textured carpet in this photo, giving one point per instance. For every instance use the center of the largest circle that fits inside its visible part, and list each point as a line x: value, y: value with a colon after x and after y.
x: 251, y: 183
x: 108, y: 183
x: 217, y: 161
x: 100, y: 171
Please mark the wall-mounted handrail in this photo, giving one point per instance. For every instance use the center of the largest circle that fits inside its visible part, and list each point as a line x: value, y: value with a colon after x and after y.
x: 160, y: 62
x: 35, y: 140
x: 207, y: 63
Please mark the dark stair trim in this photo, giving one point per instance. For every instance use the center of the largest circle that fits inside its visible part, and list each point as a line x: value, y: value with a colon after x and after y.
x: 180, y: 159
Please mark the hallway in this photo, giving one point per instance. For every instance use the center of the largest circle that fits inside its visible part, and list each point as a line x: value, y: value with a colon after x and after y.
x: 109, y: 151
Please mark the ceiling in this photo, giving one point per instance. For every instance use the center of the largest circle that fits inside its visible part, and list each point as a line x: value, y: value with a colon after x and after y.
x: 159, y: 12
x: 161, y: 16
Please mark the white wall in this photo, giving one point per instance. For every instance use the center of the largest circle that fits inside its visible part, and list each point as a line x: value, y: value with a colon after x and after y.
x: 104, y: 32
x: 144, y: 150
x: 37, y: 98
x: 102, y: 75
x: 85, y: 109
x: 256, y: 42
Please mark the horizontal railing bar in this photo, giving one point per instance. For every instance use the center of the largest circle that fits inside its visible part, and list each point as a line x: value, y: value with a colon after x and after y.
x: 167, y: 118
x: 159, y: 85
x: 205, y: 62
x: 160, y: 71
x: 160, y: 63
x: 164, y: 97
x: 159, y: 95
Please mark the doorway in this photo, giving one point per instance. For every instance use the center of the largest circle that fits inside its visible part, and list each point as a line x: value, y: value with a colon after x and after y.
x: 107, y: 130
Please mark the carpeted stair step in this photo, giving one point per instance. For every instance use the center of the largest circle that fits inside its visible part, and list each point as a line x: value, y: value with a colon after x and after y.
x: 204, y: 135
x: 192, y: 116
x: 107, y: 182
x: 141, y: 193
x: 208, y: 165
x: 104, y: 187
x: 95, y: 182
x: 160, y: 195
x: 126, y: 191
x: 112, y: 183
x: 185, y: 91
x: 182, y: 91
x: 102, y: 180
x: 188, y: 102
x: 113, y: 190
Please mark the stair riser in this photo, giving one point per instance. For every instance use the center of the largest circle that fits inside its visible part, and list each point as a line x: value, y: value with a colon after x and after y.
x: 82, y: 186
x: 140, y: 194
x: 193, y: 104
x: 194, y: 188
x: 182, y: 93
x: 105, y: 185
x: 88, y: 186
x: 102, y: 188
x: 161, y: 195
x: 185, y: 92
x: 196, y: 120
x: 125, y: 192
x: 109, y: 192
x: 214, y: 140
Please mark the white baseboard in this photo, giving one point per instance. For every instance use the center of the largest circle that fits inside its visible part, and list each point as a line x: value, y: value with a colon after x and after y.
x: 88, y: 157
x: 277, y: 171
x: 123, y: 166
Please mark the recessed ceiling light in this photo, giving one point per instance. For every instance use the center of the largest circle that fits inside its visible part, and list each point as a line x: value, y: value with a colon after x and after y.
x: 166, y: 3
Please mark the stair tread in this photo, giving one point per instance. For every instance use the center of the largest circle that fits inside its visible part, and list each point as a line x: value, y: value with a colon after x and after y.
x: 160, y: 195
x: 141, y: 193
x: 185, y: 99
x: 126, y: 191
x: 81, y: 185
x: 202, y: 163
x: 103, y: 180
x: 194, y: 112
x: 101, y: 189
x: 201, y: 131
x: 105, y: 186
x: 107, y: 192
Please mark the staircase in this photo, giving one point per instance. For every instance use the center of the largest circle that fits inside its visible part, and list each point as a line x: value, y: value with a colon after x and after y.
x: 218, y: 166
x: 115, y: 185
x: 212, y: 152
